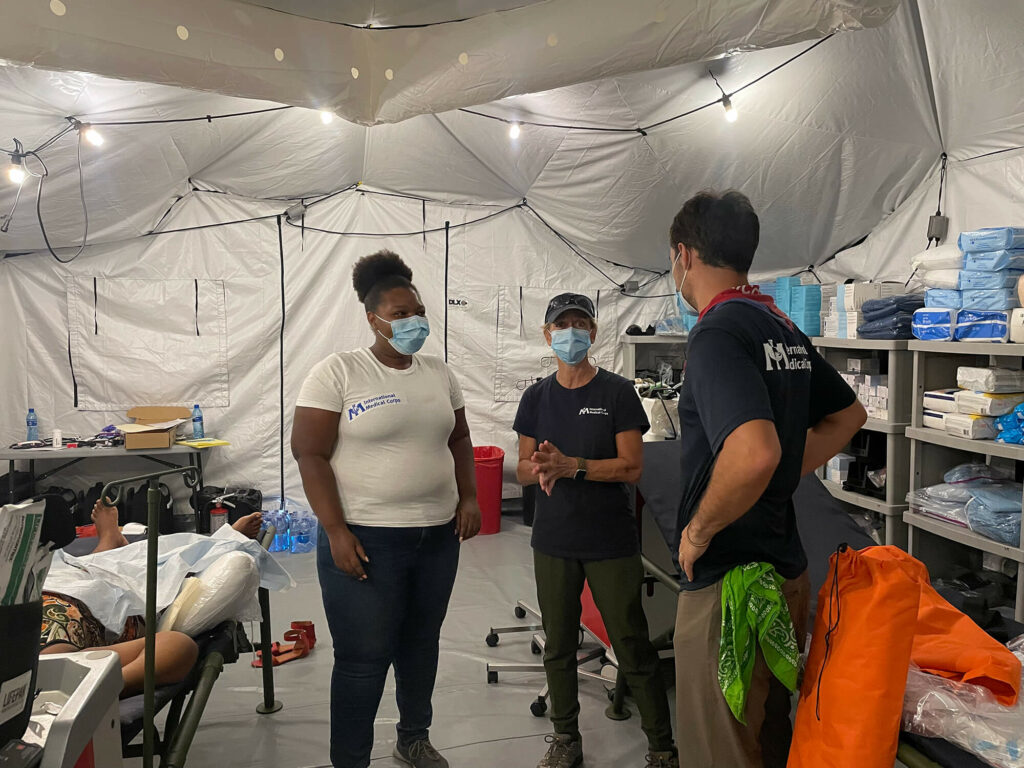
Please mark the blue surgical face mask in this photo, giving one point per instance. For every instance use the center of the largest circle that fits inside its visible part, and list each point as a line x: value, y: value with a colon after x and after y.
x: 570, y: 344
x: 684, y: 307
x: 407, y: 333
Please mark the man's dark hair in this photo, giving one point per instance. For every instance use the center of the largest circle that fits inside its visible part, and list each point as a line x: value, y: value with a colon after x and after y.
x: 722, y: 227
x: 378, y: 273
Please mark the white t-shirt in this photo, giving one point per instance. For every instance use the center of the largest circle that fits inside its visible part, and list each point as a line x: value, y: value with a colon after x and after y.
x: 392, y: 461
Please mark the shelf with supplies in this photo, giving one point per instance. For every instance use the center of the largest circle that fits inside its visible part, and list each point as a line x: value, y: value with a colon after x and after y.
x: 830, y: 342
x: 942, y: 545
x: 863, y: 501
x: 638, y: 352
x: 880, y: 374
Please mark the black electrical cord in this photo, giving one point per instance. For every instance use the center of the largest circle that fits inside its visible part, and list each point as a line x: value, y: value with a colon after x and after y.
x: 201, y: 119
x: 942, y: 182
x: 417, y: 233
x: 85, y: 208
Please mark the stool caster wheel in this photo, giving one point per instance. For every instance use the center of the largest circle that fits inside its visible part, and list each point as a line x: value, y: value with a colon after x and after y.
x: 492, y: 677
x: 534, y: 648
x: 539, y: 707
x: 491, y: 639
x: 611, y: 693
x: 520, y: 612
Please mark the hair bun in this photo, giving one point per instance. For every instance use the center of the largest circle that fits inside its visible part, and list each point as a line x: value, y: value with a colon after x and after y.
x: 371, y: 270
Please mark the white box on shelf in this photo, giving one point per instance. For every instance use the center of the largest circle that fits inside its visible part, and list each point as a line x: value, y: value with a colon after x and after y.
x: 984, y: 404
x: 838, y: 476
x: 876, y: 380
x: 935, y: 420
x: 1017, y: 326
x: 883, y: 391
x: 941, y: 400
x: 971, y: 427
x: 866, y: 365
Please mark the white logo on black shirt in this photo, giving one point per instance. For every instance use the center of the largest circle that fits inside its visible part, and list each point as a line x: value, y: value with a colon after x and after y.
x: 593, y: 412
x: 782, y: 357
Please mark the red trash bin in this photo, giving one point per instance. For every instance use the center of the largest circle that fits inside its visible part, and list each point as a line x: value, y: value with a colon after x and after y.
x: 489, y: 460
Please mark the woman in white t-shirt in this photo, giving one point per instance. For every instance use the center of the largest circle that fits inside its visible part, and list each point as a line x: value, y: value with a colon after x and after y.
x: 384, y: 450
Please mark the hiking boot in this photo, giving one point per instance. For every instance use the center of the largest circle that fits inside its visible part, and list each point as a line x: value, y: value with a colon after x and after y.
x: 420, y: 754
x: 663, y: 759
x: 564, y: 752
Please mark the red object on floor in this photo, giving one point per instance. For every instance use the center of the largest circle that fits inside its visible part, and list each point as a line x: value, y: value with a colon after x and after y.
x: 87, y: 759
x: 590, y: 617
x: 489, y: 461
x: 85, y: 531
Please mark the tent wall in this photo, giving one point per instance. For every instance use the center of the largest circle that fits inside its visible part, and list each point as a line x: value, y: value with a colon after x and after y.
x: 501, y: 272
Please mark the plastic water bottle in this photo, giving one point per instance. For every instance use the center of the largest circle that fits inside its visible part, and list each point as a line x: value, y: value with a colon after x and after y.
x: 197, y: 423
x: 302, y: 529
x: 32, y: 422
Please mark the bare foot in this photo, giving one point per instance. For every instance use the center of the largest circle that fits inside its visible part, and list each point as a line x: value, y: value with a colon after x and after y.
x: 250, y: 525
x: 110, y: 536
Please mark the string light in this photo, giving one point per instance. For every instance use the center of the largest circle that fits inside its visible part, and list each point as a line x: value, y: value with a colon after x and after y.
x: 514, y: 131
x: 91, y: 135
x: 730, y: 111
x: 326, y: 117
x: 16, y: 171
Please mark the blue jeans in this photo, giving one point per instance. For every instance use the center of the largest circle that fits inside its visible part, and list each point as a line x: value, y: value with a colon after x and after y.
x: 394, y: 617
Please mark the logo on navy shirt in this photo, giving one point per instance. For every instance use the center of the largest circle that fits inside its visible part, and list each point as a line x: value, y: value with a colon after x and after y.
x: 374, y: 402
x: 593, y: 412
x: 783, y: 357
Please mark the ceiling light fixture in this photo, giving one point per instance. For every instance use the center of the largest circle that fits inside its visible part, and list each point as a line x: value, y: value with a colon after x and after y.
x: 731, y: 114
x: 326, y: 117
x: 91, y: 135
x: 514, y: 131
x: 16, y: 170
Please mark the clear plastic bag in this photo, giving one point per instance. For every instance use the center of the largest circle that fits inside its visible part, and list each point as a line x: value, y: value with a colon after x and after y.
x: 947, y: 256
x: 994, y: 380
x: 942, y: 279
x: 966, y: 715
x: 966, y: 473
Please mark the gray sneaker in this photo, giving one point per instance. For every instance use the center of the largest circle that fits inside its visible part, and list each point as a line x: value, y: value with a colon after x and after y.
x: 563, y: 752
x: 662, y: 760
x: 420, y: 754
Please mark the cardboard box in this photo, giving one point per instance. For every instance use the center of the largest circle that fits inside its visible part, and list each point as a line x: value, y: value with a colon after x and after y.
x: 158, y: 437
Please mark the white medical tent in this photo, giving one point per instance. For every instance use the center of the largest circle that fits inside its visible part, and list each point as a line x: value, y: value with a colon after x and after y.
x: 194, y: 286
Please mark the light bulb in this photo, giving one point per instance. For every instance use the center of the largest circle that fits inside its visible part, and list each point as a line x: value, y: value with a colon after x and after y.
x: 730, y: 111
x: 93, y: 136
x: 326, y: 117
x: 513, y: 131
x: 15, y: 173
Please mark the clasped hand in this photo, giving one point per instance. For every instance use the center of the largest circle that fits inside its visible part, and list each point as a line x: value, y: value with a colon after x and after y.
x: 548, y: 465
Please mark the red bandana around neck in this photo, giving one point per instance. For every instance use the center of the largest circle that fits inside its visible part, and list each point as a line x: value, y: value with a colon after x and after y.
x: 751, y: 293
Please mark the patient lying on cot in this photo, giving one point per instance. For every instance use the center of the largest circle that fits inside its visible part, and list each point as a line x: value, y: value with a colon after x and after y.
x: 68, y: 625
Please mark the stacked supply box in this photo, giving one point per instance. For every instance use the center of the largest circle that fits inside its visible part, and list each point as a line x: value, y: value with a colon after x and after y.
x: 984, y: 406
x: 869, y: 384
x: 784, y: 292
x: 805, y: 308
x: 838, y: 468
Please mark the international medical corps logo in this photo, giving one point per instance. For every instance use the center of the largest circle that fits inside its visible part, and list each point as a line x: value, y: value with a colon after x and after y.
x: 782, y: 357
x: 374, y: 402
x: 593, y: 412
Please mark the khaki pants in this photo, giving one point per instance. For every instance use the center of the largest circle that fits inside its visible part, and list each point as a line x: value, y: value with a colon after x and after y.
x: 707, y: 732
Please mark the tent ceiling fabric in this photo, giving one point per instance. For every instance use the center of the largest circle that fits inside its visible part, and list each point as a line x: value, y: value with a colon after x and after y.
x: 372, y: 76
x: 391, y: 13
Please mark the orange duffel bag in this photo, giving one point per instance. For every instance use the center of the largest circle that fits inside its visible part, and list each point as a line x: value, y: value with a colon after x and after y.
x: 852, y: 695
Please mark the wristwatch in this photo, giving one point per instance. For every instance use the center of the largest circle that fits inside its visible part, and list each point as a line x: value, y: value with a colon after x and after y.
x: 581, y: 469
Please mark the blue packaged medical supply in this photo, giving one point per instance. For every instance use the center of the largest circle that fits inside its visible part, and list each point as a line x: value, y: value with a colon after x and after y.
x: 980, y: 325
x: 991, y: 239
x: 987, y: 281
x: 1008, y: 421
x: 932, y: 324
x: 993, y: 301
x: 808, y: 322
x: 994, y: 261
x: 1013, y: 436
x: 805, y: 298
x: 943, y: 299
x: 876, y: 309
x: 896, y: 326
x: 995, y: 512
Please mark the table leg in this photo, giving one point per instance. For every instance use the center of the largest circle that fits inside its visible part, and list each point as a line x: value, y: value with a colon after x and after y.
x: 32, y: 475
x: 10, y: 482
x: 196, y: 460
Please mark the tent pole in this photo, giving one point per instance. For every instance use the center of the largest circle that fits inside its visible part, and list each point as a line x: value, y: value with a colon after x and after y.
x: 149, y: 685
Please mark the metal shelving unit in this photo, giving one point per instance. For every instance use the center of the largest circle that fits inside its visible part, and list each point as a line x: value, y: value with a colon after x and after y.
x: 630, y: 346
x: 899, y: 367
x: 932, y: 452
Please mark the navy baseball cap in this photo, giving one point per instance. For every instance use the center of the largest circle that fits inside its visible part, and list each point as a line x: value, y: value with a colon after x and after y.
x: 563, y: 302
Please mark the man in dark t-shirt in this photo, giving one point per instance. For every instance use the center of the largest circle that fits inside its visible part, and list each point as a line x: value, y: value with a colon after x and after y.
x: 759, y: 409
x: 580, y: 437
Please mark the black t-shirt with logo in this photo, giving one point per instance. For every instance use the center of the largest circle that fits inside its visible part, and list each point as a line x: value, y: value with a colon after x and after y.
x: 745, y: 364
x: 583, y: 519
